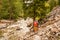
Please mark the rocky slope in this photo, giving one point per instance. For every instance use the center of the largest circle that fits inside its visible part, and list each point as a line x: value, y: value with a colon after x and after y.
x: 20, y: 30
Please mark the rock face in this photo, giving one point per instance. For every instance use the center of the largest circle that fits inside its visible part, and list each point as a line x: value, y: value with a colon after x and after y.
x: 2, y: 25
x: 17, y: 31
x: 50, y: 32
x: 55, y: 13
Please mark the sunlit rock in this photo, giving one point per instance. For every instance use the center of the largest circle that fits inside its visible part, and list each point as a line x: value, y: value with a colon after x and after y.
x: 36, y: 37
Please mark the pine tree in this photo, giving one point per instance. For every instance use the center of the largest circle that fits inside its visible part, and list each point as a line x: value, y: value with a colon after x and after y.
x: 39, y: 9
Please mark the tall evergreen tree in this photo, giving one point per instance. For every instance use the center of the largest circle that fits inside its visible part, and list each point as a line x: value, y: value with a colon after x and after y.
x: 37, y: 8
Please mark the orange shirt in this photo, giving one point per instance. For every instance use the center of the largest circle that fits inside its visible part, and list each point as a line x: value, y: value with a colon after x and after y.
x: 35, y: 24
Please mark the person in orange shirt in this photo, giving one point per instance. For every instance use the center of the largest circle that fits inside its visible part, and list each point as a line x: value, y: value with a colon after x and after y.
x: 35, y: 26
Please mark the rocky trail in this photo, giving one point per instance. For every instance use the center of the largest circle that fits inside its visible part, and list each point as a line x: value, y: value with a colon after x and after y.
x: 54, y: 18
x: 21, y: 31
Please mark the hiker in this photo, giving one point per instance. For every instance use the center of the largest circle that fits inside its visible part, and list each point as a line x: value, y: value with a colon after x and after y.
x: 35, y: 25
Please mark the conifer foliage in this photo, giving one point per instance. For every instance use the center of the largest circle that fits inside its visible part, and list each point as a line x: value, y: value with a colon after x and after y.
x: 10, y: 9
x: 13, y: 9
